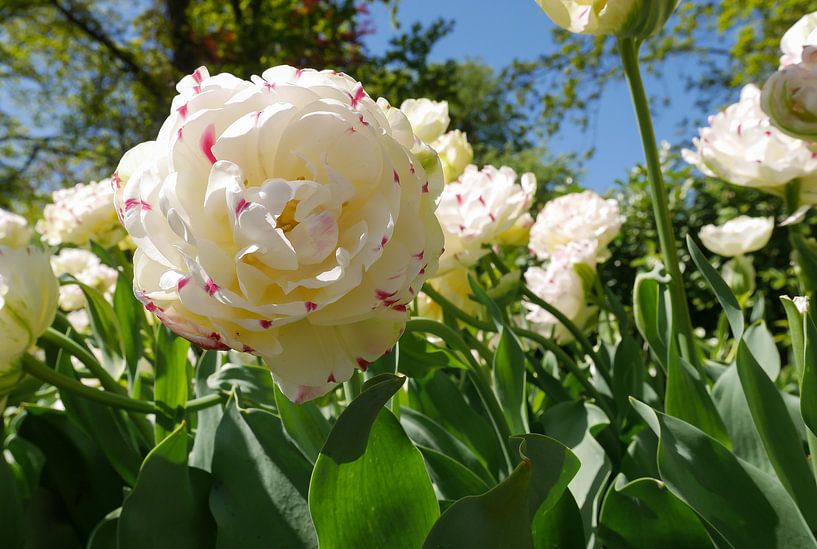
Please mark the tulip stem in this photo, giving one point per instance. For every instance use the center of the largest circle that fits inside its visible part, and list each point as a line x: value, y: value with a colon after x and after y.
x: 84, y: 355
x: 628, y: 49
x: 35, y: 368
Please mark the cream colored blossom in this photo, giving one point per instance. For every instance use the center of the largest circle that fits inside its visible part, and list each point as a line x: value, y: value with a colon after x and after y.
x: 455, y: 153
x: 738, y: 236
x: 429, y: 119
x: 478, y: 208
x: 582, y: 216
x: 28, y: 303
x: 626, y: 18
x: 742, y: 147
x: 80, y: 214
x: 285, y: 216
x: 790, y: 97
x: 801, y: 34
x: 86, y: 268
x: 14, y: 230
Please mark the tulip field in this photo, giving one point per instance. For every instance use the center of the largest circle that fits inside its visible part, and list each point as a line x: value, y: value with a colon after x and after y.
x: 306, y: 312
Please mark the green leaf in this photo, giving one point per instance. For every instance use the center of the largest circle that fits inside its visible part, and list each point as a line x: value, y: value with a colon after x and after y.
x: 104, y: 326
x: 741, y: 503
x: 574, y: 424
x: 806, y: 250
x: 778, y: 434
x: 424, y: 431
x: 721, y: 290
x: 170, y: 387
x: 168, y: 506
x: 452, y: 479
x: 797, y: 333
x: 105, y: 533
x: 130, y: 317
x: 439, y: 398
x: 733, y: 408
x: 254, y: 383
x: 643, y: 513
x: 761, y: 343
x: 509, y: 380
x: 369, y: 478
x: 418, y: 356
x: 808, y: 378
x: 650, y: 311
x: 11, y: 517
x: 207, y: 420
x: 628, y: 374
x: 503, y: 517
x: 105, y: 425
x: 687, y: 398
x: 561, y: 526
x: 260, y: 483
x: 304, y: 423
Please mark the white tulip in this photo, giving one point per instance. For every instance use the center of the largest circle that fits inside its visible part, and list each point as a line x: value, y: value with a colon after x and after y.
x: 14, y: 230
x: 28, y: 303
x: 285, y: 216
x: 801, y: 34
x: 478, y: 208
x: 455, y: 153
x: 582, y: 216
x: 429, y: 119
x: 82, y: 213
x: 625, y: 18
x: 743, y: 148
x: 738, y: 236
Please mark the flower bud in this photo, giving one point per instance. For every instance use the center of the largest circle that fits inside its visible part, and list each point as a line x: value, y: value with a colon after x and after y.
x: 455, y: 153
x: 429, y: 119
x: 790, y: 97
x: 14, y: 230
x: 738, y: 236
x: 28, y: 303
x: 622, y: 18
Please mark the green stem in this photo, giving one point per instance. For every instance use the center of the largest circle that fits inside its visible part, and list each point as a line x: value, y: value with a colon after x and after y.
x: 628, y: 48
x: 39, y: 370
x: 455, y: 311
x: 475, y: 374
x: 352, y: 387
x: 86, y: 357
x: 206, y: 401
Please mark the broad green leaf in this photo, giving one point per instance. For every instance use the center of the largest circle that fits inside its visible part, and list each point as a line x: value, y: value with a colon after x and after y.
x: 808, y: 379
x: 482, y: 297
x: 254, y: 383
x: 76, y: 472
x: 418, y: 356
x: 11, y: 516
x: 797, y: 333
x: 452, y: 479
x: 104, y: 326
x: 424, y: 431
x: 723, y: 490
x: 439, y: 398
x: 561, y: 526
x: 806, y: 250
x: 170, y: 386
x: 687, y: 398
x: 168, y: 506
x: 733, y: 408
x: 304, y: 423
x: 504, y: 516
x: 26, y: 462
x: 509, y: 380
x: 260, y: 483
x: 628, y: 374
x: 650, y: 311
x: 721, y: 290
x: 778, y: 434
x: 130, y: 317
x: 207, y: 420
x: 761, y: 343
x: 104, y: 424
x: 643, y: 513
x: 574, y: 424
x: 370, y: 487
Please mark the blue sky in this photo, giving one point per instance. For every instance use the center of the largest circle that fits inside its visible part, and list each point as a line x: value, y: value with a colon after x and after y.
x: 519, y: 29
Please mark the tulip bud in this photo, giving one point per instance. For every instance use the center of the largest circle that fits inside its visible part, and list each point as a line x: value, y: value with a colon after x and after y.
x: 455, y: 154
x: 28, y: 303
x: 622, y: 18
x: 790, y: 97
